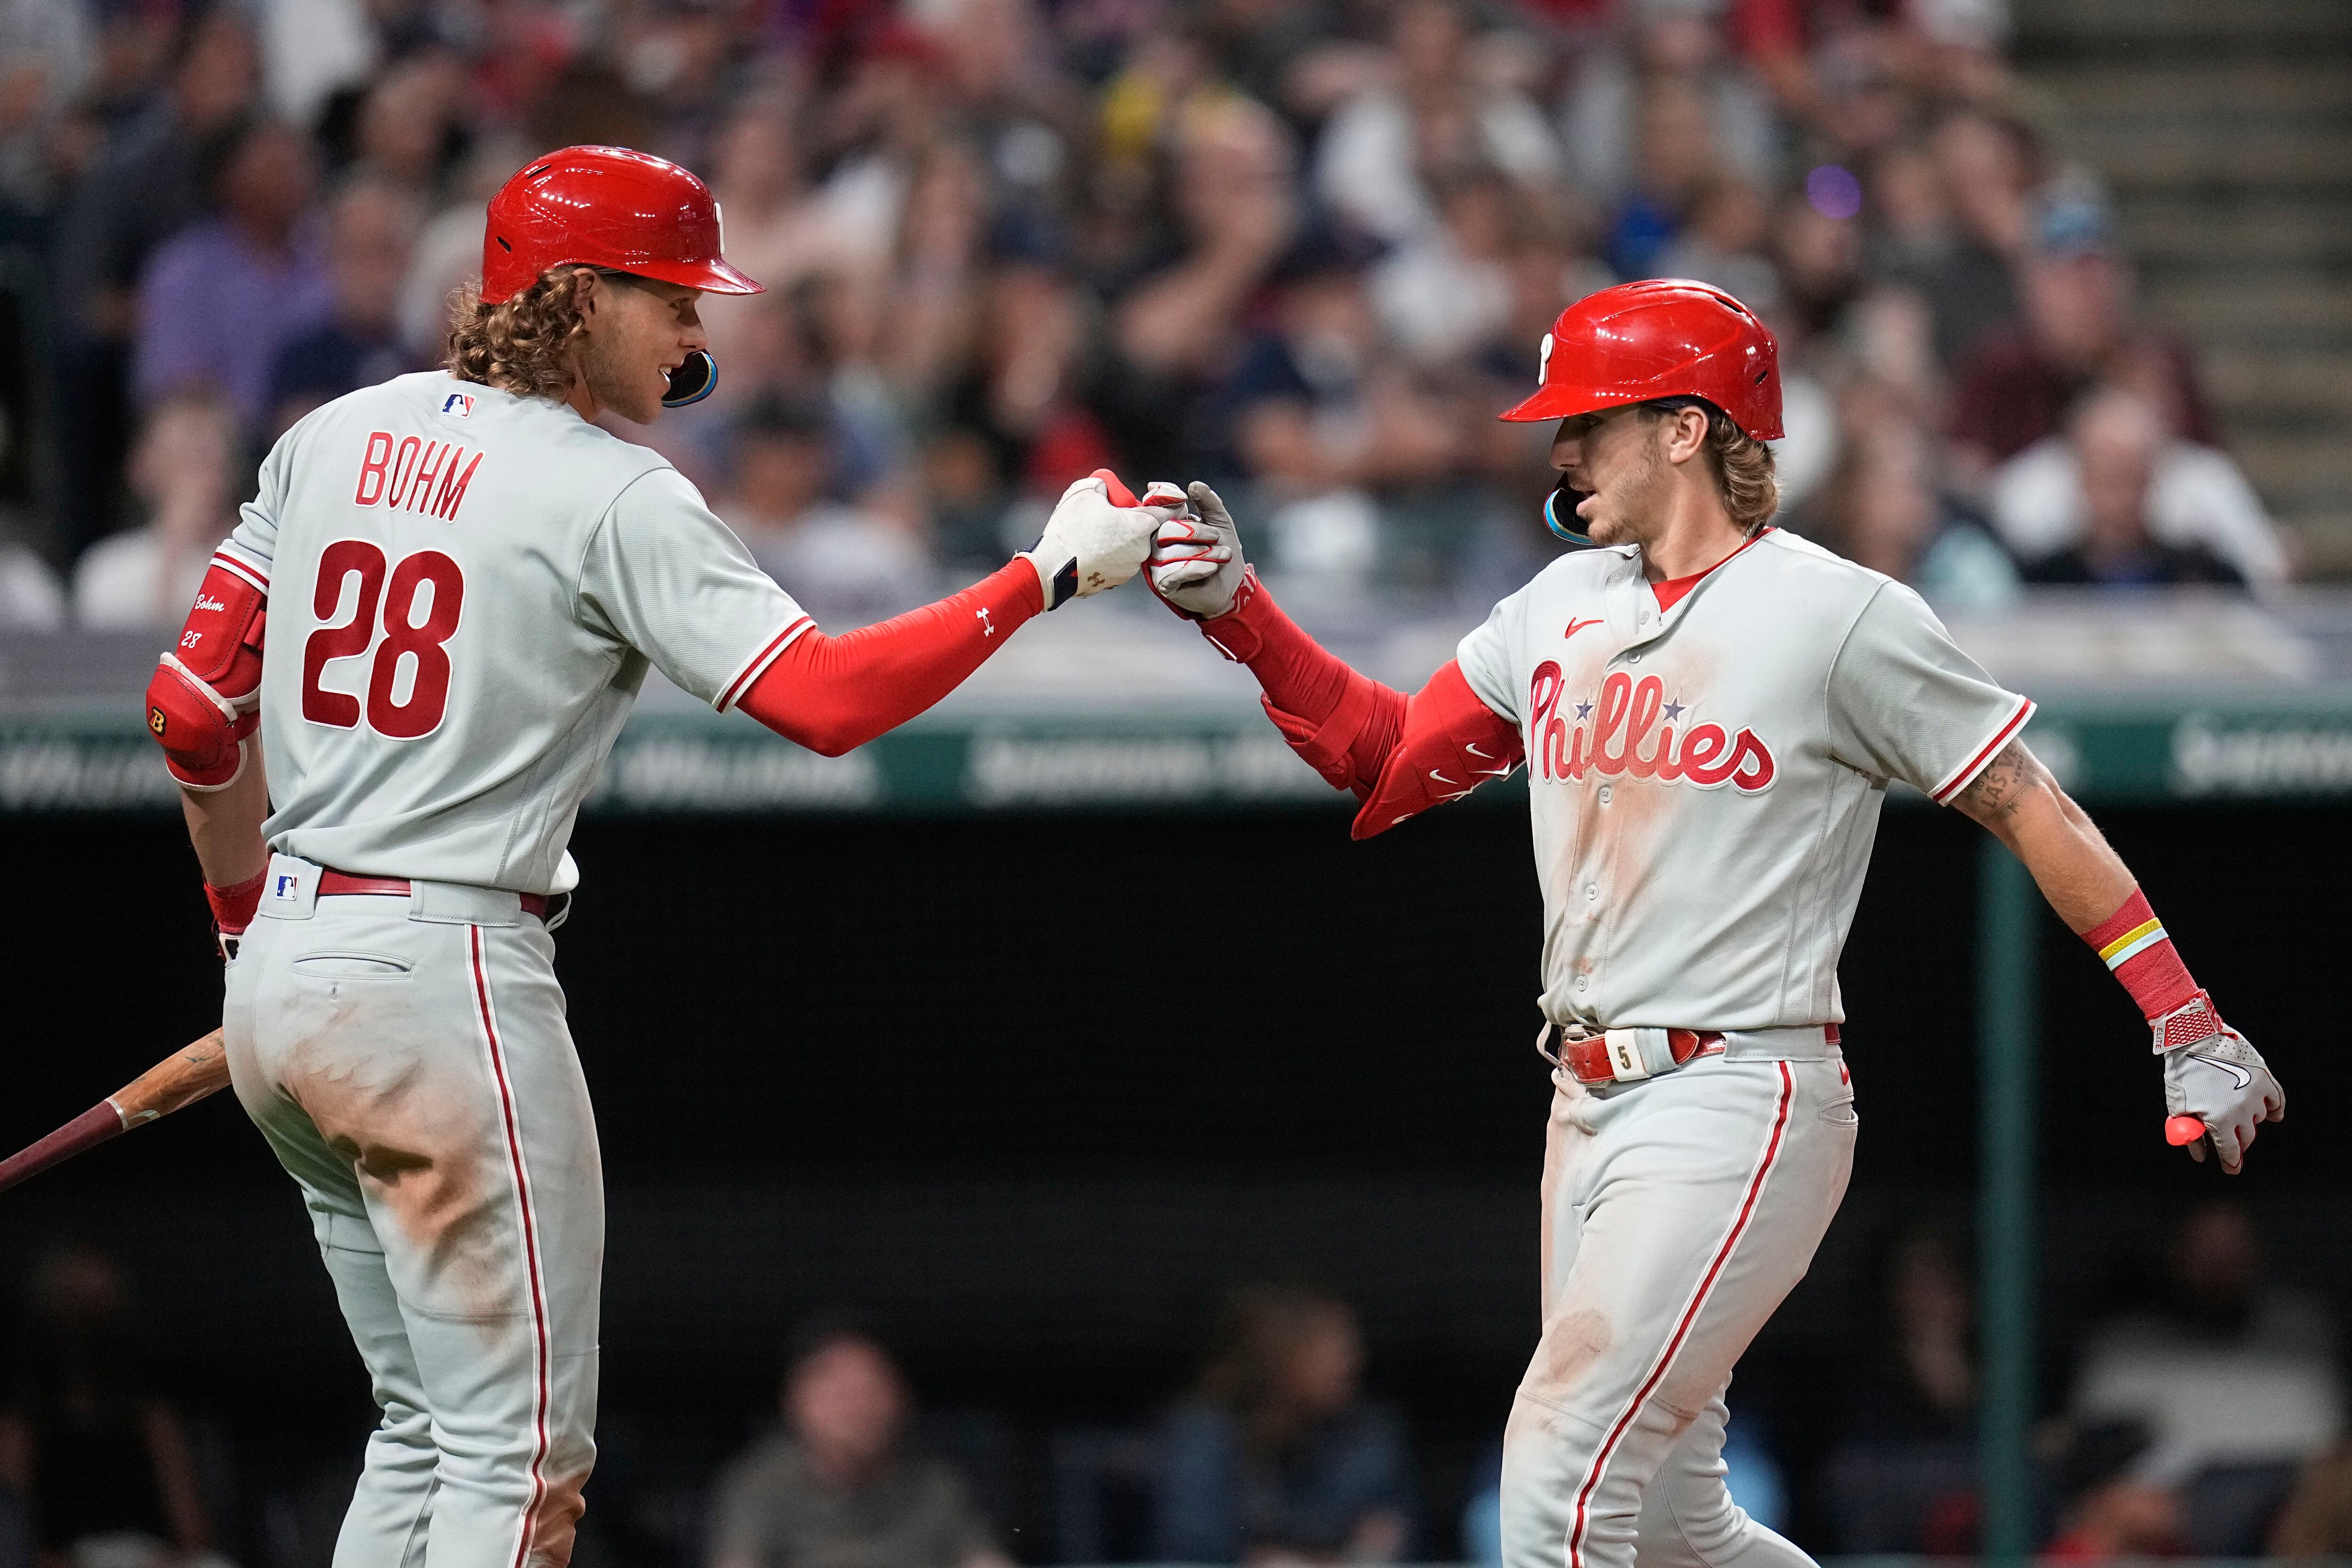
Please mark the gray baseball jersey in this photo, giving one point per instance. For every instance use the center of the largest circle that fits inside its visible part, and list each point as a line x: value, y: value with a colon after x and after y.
x: 465, y: 588
x: 1705, y: 780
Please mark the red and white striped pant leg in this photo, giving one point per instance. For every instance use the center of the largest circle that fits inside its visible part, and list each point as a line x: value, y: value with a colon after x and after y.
x: 1679, y: 1214
x: 433, y: 1059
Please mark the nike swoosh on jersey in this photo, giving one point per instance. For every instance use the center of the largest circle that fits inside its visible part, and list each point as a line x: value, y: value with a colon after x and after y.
x: 1575, y: 626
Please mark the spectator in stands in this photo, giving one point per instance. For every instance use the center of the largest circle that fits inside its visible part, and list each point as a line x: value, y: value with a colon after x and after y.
x: 1442, y: 293
x: 2116, y: 443
x: 2198, y: 497
x: 1279, y: 1455
x: 1665, y: 40
x: 1676, y: 160
x: 836, y: 1488
x: 218, y: 300
x: 1326, y: 420
x: 1721, y: 241
x: 46, y: 55
x: 1884, y: 508
x: 146, y: 185
x: 1820, y: 259
x: 1381, y: 149
x: 845, y: 560
x: 186, y: 471
x: 2079, y: 328
x: 2235, y: 1379
x: 1235, y: 208
x: 758, y: 171
x: 1922, y: 238
x: 150, y: 183
x: 370, y: 230
x: 1903, y: 1476
x: 2112, y: 1508
x: 449, y: 249
x: 101, y: 1459
x: 407, y: 136
x: 1023, y: 395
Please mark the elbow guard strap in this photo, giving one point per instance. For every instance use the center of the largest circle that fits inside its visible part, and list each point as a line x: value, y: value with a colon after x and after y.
x: 206, y: 696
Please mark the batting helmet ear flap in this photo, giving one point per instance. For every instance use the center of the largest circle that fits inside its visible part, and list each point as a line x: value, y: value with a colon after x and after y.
x: 692, y: 381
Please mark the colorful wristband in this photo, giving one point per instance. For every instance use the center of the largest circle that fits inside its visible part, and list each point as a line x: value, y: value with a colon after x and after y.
x: 2133, y: 944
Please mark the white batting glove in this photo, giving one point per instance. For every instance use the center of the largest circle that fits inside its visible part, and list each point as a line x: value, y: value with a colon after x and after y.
x: 2211, y: 1075
x: 1089, y: 544
x: 1196, y: 557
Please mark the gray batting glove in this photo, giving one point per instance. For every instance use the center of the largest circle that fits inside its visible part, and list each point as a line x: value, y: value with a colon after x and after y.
x: 1196, y: 561
x: 1089, y: 544
x: 2213, y: 1075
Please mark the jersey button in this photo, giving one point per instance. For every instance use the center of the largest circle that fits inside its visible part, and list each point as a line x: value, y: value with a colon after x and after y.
x: 1604, y: 794
x: 1632, y: 658
x: 1584, y: 982
x: 1591, y: 892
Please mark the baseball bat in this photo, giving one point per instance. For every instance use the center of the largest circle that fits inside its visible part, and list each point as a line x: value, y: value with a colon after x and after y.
x: 183, y: 1077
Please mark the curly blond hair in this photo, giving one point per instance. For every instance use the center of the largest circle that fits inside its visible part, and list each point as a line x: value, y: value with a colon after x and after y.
x: 524, y: 342
x: 1743, y: 467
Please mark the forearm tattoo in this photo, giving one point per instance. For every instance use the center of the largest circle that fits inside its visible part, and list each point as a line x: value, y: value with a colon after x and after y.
x: 2012, y: 775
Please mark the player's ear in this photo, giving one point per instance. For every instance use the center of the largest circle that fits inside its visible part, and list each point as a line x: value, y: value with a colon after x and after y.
x: 1685, y: 434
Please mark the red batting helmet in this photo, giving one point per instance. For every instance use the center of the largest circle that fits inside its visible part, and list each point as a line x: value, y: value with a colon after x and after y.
x: 1661, y: 338
x: 605, y: 206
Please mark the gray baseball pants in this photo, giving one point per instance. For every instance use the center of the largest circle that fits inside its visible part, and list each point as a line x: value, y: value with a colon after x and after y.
x: 1677, y: 1213
x: 408, y: 1061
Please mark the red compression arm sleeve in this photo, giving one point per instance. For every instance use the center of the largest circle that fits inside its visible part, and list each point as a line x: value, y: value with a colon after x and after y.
x: 831, y: 694
x: 1452, y: 743
x: 1400, y: 755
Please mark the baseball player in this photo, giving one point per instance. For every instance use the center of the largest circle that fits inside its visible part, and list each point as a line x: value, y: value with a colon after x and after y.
x: 1711, y: 710
x: 463, y: 580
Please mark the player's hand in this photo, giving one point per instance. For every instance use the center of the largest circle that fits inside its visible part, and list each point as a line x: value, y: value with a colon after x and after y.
x: 1092, y: 541
x: 2211, y: 1075
x: 1196, y: 558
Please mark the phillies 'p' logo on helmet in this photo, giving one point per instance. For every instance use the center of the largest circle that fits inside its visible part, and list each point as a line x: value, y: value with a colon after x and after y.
x: 1659, y: 338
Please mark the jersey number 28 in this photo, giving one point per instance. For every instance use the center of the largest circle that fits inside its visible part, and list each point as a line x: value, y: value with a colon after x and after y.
x: 404, y: 636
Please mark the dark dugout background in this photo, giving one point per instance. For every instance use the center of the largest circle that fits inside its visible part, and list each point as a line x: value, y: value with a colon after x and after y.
x: 1032, y: 1091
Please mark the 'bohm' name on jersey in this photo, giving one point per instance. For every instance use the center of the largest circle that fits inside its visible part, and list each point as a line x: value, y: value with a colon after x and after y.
x: 411, y: 474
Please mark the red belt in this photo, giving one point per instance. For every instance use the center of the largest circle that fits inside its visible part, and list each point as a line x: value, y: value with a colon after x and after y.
x: 331, y: 883
x: 1590, y: 1061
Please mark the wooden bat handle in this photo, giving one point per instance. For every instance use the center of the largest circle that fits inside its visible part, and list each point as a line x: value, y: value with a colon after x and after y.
x: 183, y: 1077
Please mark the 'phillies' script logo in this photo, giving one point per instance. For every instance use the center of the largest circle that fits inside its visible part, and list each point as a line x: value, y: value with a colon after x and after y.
x: 1621, y: 736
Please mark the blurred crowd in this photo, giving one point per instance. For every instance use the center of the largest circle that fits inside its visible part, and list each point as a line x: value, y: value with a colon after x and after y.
x: 2199, y: 1414
x: 1303, y: 249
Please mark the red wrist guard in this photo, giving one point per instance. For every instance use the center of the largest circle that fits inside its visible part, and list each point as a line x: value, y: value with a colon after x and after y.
x: 233, y: 907
x: 2133, y: 944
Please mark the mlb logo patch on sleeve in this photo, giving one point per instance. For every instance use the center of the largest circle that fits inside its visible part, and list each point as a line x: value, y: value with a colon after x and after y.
x: 460, y: 404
